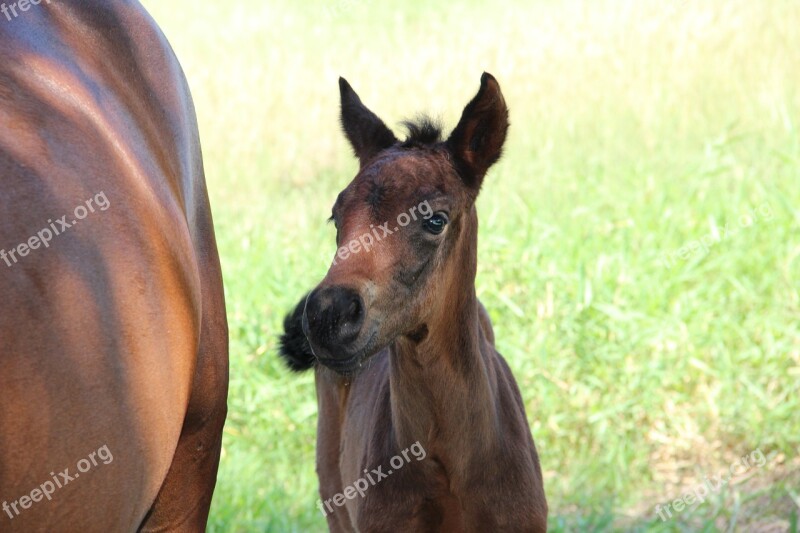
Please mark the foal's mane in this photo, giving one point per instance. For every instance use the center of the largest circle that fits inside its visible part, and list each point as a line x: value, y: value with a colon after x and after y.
x: 422, y: 131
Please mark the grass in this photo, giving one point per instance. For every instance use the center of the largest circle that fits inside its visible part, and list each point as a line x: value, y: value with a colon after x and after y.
x: 640, y: 129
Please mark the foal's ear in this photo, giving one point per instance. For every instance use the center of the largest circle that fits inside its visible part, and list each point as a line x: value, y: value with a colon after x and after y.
x: 367, y: 134
x: 477, y: 141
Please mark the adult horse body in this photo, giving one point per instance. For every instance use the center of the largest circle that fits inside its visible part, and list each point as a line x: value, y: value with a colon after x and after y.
x: 113, y: 334
x: 404, y: 351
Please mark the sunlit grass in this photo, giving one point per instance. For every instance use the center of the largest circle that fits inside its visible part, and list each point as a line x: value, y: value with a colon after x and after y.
x: 638, y: 128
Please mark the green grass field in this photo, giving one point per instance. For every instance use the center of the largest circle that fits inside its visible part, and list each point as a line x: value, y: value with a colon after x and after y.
x: 639, y: 242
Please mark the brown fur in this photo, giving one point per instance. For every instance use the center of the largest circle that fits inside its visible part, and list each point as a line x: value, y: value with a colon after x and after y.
x: 423, y: 366
x: 116, y: 334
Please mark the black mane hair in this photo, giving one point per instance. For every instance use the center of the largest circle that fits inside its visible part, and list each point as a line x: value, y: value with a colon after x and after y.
x: 424, y: 131
x: 294, y: 348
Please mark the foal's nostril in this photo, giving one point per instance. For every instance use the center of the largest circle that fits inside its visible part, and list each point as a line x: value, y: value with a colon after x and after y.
x: 335, y: 316
x: 354, y: 309
x: 350, y: 316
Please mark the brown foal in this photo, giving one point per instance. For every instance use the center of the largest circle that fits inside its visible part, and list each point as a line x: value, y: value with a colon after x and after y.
x: 404, y: 351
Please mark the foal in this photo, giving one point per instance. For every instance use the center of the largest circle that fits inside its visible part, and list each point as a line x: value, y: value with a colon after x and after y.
x: 404, y: 351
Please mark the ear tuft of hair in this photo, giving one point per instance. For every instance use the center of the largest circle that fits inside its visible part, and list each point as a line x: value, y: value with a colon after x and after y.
x: 422, y: 131
x: 294, y: 348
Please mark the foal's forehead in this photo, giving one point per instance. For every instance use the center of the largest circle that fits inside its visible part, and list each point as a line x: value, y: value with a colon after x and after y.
x: 402, y: 175
x: 396, y: 182
x: 400, y: 167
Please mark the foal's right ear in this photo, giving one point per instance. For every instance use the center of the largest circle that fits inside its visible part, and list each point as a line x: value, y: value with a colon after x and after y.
x: 367, y: 134
x: 477, y: 141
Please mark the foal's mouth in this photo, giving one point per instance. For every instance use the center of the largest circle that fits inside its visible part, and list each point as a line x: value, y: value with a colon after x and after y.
x: 344, y: 360
x: 351, y: 365
x: 345, y: 367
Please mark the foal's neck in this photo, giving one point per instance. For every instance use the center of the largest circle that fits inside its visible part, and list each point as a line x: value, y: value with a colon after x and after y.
x: 443, y: 386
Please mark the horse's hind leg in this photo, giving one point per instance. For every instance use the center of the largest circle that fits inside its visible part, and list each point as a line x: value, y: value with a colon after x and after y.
x: 184, y: 500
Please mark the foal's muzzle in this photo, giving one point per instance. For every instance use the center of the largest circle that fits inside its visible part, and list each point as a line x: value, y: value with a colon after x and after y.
x: 332, y: 322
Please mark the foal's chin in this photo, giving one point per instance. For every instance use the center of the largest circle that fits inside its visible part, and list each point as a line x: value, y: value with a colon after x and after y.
x: 346, y: 360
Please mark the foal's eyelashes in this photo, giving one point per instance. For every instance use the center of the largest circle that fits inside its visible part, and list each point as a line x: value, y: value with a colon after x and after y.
x: 435, y: 223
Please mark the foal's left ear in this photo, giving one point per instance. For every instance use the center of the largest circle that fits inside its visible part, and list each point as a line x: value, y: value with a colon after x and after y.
x: 477, y: 141
x: 367, y: 134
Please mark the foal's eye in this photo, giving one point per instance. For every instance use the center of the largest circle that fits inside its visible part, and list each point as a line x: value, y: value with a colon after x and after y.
x: 436, y: 223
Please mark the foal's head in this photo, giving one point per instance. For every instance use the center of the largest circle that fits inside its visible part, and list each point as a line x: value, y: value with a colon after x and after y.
x: 406, y: 229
